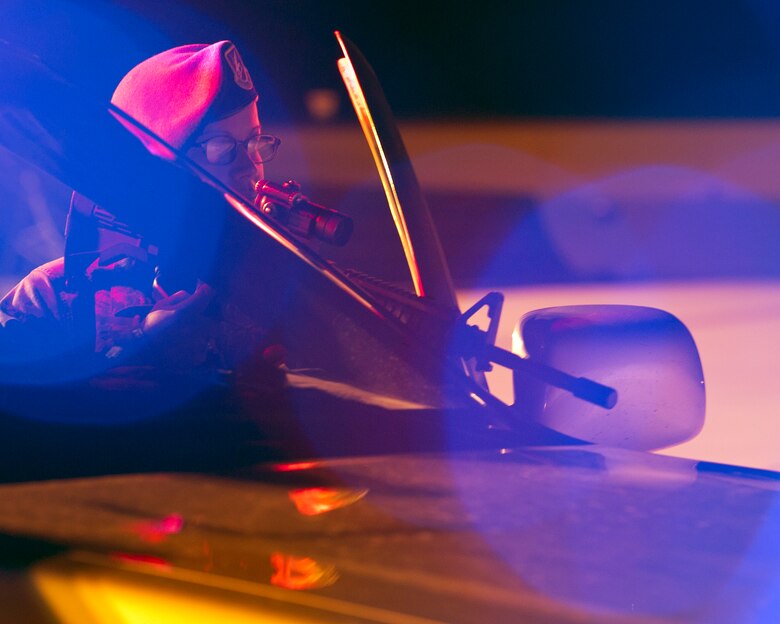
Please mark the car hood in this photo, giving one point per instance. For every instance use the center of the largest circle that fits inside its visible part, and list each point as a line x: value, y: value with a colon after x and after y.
x: 553, y: 533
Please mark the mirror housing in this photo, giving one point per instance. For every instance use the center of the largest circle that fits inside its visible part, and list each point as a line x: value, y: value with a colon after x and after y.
x: 646, y: 354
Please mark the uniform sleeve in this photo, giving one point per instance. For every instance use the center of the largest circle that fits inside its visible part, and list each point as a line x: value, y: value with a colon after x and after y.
x: 31, y: 320
x: 32, y: 298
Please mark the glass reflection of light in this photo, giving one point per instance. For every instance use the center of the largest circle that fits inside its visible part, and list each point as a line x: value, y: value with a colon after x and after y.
x: 301, y: 572
x: 320, y: 500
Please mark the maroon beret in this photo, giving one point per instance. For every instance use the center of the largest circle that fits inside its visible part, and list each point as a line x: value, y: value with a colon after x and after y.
x: 177, y: 92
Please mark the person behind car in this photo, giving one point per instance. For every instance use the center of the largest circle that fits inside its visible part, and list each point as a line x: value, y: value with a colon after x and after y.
x: 199, y: 99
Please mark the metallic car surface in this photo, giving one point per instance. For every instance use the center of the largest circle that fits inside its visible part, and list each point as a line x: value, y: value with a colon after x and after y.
x: 548, y: 534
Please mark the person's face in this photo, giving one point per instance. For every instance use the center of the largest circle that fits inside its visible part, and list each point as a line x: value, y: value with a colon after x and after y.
x: 242, y: 173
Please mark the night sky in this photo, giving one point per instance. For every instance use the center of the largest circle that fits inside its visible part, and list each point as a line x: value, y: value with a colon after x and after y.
x: 447, y: 59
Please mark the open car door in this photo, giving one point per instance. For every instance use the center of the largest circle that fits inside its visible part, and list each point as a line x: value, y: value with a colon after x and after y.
x: 422, y: 248
x: 377, y: 361
x: 412, y: 217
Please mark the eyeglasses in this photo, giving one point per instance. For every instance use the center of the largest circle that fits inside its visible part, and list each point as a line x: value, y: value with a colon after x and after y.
x: 222, y: 149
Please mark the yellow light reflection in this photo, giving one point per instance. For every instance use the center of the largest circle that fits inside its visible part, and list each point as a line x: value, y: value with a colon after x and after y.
x: 86, y: 595
x: 83, y: 588
x: 377, y: 151
x: 320, y: 500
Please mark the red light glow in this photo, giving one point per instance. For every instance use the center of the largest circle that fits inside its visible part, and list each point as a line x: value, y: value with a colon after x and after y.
x: 295, y: 466
x: 300, y: 572
x: 145, y: 560
x: 156, y: 531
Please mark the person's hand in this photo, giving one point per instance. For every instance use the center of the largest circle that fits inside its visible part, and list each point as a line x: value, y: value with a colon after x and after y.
x: 177, y: 327
x: 177, y: 310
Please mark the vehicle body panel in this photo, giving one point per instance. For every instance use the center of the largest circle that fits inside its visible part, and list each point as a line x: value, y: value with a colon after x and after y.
x: 556, y: 534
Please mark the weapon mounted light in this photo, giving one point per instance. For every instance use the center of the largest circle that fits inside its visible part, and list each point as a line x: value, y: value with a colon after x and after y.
x: 286, y: 204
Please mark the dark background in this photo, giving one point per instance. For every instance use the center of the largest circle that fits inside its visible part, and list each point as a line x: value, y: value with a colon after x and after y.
x: 448, y: 59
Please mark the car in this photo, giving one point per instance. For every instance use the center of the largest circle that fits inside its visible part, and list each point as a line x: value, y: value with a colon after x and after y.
x: 379, y: 480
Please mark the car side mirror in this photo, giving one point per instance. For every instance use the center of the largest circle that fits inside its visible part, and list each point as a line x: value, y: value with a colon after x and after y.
x: 647, y: 355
